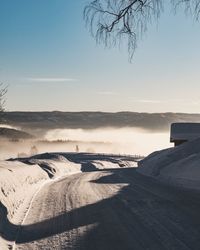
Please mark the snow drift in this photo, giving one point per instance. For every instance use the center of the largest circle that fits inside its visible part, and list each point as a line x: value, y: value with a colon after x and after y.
x: 178, y: 166
x: 18, y: 184
x: 22, y: 178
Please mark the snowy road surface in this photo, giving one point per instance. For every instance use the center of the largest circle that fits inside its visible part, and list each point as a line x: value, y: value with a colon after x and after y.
x: 112, y: 209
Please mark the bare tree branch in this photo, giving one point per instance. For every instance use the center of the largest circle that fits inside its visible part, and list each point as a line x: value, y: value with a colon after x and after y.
x: 192, y: 7
x: 111, y: 21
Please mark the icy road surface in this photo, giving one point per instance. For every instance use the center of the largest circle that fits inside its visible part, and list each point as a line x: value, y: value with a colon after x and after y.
x: 110, y: 210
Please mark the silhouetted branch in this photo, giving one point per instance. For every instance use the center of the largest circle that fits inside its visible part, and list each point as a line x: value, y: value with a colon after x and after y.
x: 110, y: 21
x: 192, y: 7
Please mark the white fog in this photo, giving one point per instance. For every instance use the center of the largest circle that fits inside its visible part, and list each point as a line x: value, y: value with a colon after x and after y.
x: 108, y: 140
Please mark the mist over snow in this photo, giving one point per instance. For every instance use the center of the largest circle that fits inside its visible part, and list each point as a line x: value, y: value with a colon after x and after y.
x: 122, y: 140
x: 105, y: 140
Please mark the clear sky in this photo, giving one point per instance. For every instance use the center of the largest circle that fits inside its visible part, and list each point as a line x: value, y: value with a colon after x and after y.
x: 51, y: 62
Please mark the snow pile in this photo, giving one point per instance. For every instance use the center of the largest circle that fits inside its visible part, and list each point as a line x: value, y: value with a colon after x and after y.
x: 18, y: 182
x: 113, y: 164
x: 179, y: 166
x: 55, y: 165
x: 104, y: 164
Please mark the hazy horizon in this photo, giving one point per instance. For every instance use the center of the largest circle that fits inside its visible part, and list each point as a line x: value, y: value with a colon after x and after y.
x: 101, y: 111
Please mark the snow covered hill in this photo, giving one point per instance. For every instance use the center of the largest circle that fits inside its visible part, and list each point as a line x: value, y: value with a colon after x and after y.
x: 178, y: 166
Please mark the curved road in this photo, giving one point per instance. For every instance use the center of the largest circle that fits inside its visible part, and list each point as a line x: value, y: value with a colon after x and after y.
x: 111, y: 210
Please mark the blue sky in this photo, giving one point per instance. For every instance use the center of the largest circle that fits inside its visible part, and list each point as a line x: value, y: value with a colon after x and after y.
x: 51, y: 62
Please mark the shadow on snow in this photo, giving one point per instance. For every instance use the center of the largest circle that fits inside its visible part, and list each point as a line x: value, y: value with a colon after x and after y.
x: 144, y: 214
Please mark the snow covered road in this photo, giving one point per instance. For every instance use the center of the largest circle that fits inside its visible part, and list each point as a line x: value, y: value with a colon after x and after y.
x: 111, y: 209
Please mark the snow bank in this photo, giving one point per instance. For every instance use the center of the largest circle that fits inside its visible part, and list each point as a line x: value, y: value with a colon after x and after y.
x: 17, y: 183
x: 111, y: 164
x: 22, y: 178
x: 20, y: 181
x: 55, y: 165
x: 179, y: 166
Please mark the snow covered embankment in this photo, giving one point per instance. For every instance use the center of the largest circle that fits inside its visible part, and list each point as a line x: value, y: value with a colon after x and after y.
x: 19, y: 182
x: 178, y: 166
x: 22, y: 178
x: 17, y: 187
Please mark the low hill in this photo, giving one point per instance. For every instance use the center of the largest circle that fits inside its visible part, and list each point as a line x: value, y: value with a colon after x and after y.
x: 14, y: 134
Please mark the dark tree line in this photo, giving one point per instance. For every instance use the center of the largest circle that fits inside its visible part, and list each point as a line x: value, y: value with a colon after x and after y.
x: 112, y: 21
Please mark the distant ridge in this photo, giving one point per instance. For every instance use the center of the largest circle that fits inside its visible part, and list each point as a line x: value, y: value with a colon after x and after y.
x: 93, y: 120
